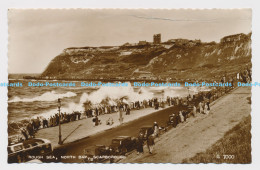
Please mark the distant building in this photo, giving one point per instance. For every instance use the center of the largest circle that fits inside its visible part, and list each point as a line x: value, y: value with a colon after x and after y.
x: 127, y: 44
x: 142, y: 43
x: 197, y: 41
x: 181, y: 41
x: 233, y: 38
x: 157, y: 38
x: 171, y: 41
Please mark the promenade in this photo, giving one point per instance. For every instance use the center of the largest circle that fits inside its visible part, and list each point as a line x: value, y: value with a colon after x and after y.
x: 76, y: 130
x: 198, y: 133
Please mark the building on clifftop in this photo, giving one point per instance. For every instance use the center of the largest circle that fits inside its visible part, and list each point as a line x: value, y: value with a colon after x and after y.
x: 157, y: 38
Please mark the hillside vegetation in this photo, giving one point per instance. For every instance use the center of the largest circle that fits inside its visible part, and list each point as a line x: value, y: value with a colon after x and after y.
x: 178, y: 58
x: 234, y: 147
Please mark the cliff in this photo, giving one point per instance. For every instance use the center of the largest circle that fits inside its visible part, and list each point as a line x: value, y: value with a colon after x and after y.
x: 177, y: 58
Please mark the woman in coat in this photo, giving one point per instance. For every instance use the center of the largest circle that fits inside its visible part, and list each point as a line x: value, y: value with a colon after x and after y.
x: 140, y: 145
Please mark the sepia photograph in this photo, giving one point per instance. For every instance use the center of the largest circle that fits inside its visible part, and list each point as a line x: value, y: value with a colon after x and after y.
x: 129, y: 86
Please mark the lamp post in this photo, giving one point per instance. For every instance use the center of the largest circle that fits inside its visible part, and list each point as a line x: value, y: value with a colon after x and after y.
x: 59, y: 106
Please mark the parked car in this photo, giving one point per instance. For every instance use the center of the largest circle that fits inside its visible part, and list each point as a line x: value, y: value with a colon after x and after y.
x: 95, y: 154
x: 173, y: 120
x: 145, y: 132
x: 28, y: 150
x: 121, y: 145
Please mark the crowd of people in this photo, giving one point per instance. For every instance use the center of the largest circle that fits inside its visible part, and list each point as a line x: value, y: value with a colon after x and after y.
x: 54, y: 120
x: 197, y: 103
x: 35, y: 124
x: 193, y: 105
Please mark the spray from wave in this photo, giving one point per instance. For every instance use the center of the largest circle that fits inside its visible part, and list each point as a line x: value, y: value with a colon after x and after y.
x: 48, y: 96
x: 112, y: 95
x: 115, y: 93
x: 104, y: 96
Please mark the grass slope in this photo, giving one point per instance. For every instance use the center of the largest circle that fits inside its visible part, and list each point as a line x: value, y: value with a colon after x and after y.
x: 236, y: 142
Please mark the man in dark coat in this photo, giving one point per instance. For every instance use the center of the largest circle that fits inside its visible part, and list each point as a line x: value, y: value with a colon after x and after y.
x: 30, y: 129
x: 127, y: 110
x: 94, y: 120
x: 139, y: 145
x: 44, y: 123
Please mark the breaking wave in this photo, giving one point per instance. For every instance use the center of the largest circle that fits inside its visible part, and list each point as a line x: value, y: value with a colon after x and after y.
x: 48, y: 96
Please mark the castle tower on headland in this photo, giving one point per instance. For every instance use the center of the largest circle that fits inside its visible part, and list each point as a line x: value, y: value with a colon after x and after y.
x: 157, y: 38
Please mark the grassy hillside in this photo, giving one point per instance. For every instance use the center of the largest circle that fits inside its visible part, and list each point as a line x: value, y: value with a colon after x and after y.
x: 176, y: 59
x: 236, y: 143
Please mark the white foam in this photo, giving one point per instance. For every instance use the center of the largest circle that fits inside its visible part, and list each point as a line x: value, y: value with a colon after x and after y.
x: 48, y: 96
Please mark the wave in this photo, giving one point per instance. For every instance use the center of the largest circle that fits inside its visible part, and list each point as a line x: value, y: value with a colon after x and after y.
x: 48, y: 96
x: 116, y: 93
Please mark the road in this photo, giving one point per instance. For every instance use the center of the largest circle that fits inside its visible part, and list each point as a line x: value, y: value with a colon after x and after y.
x: 104, y: 138
x: 200, y: 133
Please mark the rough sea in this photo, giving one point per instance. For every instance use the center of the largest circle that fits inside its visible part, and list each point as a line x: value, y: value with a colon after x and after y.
x: 25, y: 103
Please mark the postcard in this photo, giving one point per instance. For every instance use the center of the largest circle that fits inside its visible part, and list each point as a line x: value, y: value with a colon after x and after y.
x: 129, y: 86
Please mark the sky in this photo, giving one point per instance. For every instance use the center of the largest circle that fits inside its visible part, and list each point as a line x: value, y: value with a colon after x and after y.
x: 36, y: 36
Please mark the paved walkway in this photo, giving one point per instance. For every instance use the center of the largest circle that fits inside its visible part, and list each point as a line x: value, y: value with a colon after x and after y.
x: 199, y: 133
x: 83, y: 128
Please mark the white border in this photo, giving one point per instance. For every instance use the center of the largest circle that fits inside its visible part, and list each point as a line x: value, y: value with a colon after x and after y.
x: 5, y: 4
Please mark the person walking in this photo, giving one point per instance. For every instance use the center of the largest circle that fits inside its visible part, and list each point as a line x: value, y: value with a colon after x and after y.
x: 150, y: 143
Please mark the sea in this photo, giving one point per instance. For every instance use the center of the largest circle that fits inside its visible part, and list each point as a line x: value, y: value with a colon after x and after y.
x: 29, y: 102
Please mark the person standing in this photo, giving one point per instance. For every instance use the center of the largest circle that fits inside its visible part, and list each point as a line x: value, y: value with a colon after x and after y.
x: 45, y: 123
x: 24, y: 133
x: 208, y: 104
x: 127, y: 110
x: 177, y: 101
x: 139, y: 146
x: 155, y: 129
x: 94, y: 121
x: 238, y: 76
x: 120, y: 116
x: 200, y: 107
x: 98, y: 122
x: 194, y: 112
x: 174, y: 120
x: 181, y: 116
x: 206, y: 110
x: 30, y: 129
x: 150, y: 143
